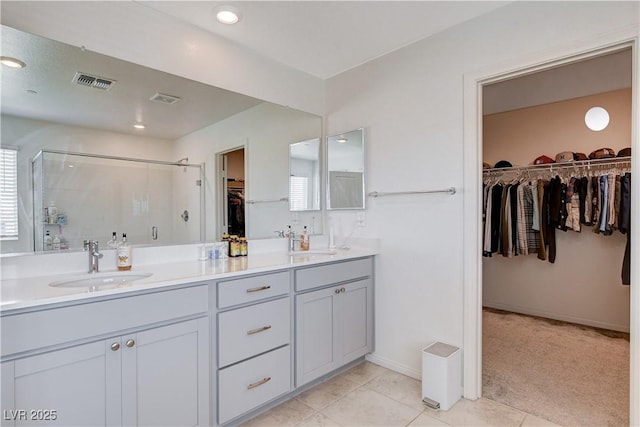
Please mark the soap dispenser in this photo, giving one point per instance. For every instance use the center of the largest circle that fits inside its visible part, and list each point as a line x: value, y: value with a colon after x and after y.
x: 124, y: 254
x: 304, y: 240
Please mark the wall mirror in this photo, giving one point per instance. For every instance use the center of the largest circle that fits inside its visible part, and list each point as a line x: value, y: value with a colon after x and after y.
x: 304, y: 176
x: 69, y: 99
x: 345, y: 170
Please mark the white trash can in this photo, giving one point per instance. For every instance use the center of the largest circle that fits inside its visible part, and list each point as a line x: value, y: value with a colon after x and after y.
x: 441, y: 375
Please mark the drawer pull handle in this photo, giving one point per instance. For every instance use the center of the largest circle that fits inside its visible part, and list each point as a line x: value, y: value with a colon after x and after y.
x: 259, y: 383
x: 258, y: 289
x: 255, y: 331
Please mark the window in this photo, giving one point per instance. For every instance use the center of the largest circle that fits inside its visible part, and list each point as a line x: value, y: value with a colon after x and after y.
x: 299, y: 193
x: 8, y: 194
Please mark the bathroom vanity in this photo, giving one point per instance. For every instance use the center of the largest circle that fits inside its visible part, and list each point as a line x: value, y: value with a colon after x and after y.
x: 195, y: 343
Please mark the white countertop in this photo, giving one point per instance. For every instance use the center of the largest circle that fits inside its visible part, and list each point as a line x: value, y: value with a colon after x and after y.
x: 18, y: 294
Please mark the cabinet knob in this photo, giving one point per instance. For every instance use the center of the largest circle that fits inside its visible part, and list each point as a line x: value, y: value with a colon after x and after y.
x: 115, y: 346
x: 342, y: 290
x: 337, y: 291
x: 130, y: 343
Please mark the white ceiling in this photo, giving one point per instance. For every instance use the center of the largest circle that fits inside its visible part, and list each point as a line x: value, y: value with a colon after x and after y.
x: 51, y: 67
x: 322, y: 38
x: 325, y: 38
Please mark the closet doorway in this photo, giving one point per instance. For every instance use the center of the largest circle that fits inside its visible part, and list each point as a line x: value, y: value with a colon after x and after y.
x: 231, y: 199
x: 556, y: 317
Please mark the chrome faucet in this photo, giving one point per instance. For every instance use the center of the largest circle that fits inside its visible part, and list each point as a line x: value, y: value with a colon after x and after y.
x: 94, y: 255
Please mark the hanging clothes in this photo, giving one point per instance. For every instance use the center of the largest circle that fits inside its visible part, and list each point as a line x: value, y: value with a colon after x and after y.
x: 521, y: 218
x: 624, y: 223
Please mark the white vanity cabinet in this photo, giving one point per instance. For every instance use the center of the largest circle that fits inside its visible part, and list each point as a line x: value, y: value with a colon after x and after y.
x: 334, y: 316
x: 154, y: 372
x: 254, y: 333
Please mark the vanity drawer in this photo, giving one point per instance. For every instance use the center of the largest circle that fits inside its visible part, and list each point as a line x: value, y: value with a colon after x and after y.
x: 313, y: 277
x: 249, y: 384
x: 250, y: 289
x: 252, y: 330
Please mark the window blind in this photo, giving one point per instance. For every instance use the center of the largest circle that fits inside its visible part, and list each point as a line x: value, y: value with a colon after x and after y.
x: 299, y: 192
x: 8, y: 194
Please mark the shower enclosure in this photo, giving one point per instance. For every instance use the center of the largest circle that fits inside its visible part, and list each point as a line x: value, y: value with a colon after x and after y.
x: 78, y: 196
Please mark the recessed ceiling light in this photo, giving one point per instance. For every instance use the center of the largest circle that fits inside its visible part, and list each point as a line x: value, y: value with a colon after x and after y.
x: 12, y: 62
x: 341, y: 140
x: 227, y: 14
x: 139, y: 126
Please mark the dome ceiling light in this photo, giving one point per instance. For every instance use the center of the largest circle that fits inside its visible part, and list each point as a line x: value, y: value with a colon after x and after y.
x: 597, y: 118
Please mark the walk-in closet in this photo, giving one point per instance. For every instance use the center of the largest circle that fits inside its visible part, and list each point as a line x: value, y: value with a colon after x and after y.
x: 556, y: 254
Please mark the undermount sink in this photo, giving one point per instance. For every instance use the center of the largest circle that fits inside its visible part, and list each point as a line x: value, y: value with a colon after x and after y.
x: 315, y: 252
x: 100, y: 280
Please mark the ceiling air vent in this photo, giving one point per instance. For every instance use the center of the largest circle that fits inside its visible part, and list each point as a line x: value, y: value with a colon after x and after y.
x: 164, y: 98
x: 95, y: 82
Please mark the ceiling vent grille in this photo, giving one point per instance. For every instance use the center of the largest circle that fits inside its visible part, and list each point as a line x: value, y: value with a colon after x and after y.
x: 164, y: 98
x: 95, y: 82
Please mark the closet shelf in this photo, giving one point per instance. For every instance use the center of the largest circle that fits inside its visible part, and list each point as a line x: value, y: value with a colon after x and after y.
x: 549, y: 170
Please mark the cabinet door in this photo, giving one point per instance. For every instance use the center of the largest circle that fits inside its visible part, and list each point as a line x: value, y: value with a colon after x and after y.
x: 355, y: 322
x: 66, y: 387
x: 165, y: 375
x: 315, y: 335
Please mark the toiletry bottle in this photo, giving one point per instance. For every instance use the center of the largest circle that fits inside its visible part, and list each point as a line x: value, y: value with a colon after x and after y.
x: 56, y: 243
x: 48, y: 241
x: 304, y: 240
x: 113, y: 243
x: 52, y: 212
x: 235, y: 246
x: 244, y: 246
x: 124, y: 254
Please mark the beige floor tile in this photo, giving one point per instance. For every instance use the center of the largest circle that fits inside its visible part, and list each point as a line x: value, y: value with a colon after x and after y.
x: 425, y: 420
x: 399, y: 387
x: 317, y: 419
x: 364, y: 372
x: 482, y: 412
x: 365, y: 407
x: 288, y: 413
x: 533, y: 421
x: 327, y: 392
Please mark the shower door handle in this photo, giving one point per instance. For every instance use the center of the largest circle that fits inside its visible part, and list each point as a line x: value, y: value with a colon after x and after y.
x: 154, y: 232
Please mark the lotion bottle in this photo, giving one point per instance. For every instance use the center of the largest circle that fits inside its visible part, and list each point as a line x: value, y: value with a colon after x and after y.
x: 124, y: 254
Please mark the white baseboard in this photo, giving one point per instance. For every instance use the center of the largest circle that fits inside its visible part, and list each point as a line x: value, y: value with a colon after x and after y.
x: 394, y: 366
x: 558, y: 316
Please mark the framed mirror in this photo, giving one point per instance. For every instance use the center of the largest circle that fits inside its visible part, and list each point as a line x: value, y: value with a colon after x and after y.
x: 304, y: 176
x: 345, y: 170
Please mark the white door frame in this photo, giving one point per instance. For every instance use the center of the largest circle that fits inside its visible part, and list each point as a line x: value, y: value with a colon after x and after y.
x: 472, y: 197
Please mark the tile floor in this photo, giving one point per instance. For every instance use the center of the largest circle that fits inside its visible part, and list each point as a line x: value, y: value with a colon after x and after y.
x: 370, y: 395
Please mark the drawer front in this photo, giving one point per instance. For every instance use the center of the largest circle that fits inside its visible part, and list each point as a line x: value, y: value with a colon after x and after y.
x: 251, y: 289
x: 29, y: 331
x: 312, y: 277
x: 252, y: 330
x: 249, y: 384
